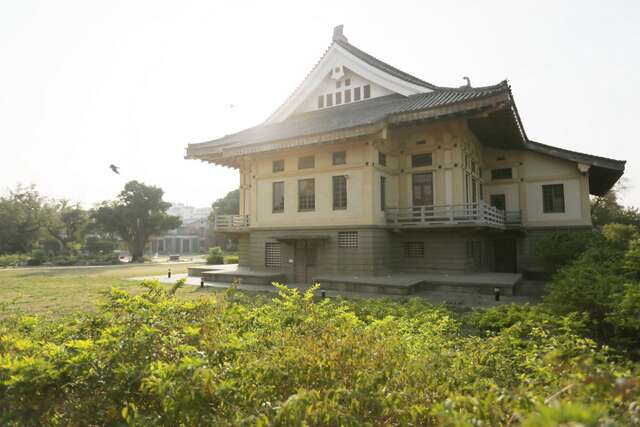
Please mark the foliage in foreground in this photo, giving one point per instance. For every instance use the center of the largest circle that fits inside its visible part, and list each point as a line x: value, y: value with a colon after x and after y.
x: 153, y: 359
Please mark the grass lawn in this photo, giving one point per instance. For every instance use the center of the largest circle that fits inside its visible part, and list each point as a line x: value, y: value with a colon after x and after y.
x: 59, y: 291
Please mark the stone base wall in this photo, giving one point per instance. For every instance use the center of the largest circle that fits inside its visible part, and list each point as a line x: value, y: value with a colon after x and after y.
x: 527, y: 259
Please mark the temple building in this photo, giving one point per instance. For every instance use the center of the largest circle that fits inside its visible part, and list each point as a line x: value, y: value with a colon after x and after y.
x: 366, y: 172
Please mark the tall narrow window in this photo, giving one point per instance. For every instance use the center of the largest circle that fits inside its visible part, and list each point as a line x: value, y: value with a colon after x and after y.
x: 553, y: 198
x: 321, y: 101
x: 272, y: 254
x: 422, y: 189
x: 278, y: 197
x: 382, y: 158
x: 356, y: 94
x: 329, y: 99
x: 306, y: 195
x: 383, y: 192
x: 278, y: 166
x: 306, y: 162
x: 339, y: 157
x: 339, y: 192
x: 420, y: 160
x: 347, y: 96
x: 366, y: 92
x: 338, y: 98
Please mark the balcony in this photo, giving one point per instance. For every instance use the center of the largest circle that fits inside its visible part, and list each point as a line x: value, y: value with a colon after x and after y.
x: 231, y: 223
x: 469, y: 214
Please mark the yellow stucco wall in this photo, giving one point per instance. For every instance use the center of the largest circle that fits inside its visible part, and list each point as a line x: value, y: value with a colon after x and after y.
x: 449, y: 143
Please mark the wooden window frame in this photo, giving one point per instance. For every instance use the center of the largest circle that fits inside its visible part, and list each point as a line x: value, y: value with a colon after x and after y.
x: 303, y: 159
x: 277, y: 206
x: 274, y: 168
x: 553, y: 200
x: 421, y: 160
x: 339, y: 158
x: 306, y: 203
x: 339, y: 192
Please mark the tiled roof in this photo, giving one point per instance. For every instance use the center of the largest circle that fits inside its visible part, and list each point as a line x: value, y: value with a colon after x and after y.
x: 355, y: 114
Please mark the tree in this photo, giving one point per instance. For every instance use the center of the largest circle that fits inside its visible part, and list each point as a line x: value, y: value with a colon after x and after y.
x: 67, y: 224
x: 21, y: 220
x: 137, y: 214
x: 606, y: 209
x: 228, y: 205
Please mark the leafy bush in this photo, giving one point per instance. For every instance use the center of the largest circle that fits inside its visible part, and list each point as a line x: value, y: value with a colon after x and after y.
x: 12, y: 260
x: 231, y: 259
x: 37, y: 257
x: 620, y: 234
x: 561, y: 248
x: 98, y: 246
x: 216, y: 256
x: 152, y: 359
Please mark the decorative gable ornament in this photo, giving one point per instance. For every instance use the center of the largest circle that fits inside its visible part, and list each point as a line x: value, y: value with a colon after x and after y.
x: 337, y: 72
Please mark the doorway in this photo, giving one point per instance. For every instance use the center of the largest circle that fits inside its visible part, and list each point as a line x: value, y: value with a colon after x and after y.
x: 304, y: 261
x: 505, y: 255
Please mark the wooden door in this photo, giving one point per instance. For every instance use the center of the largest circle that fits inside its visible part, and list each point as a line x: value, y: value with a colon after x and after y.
x: 505, y: 252
x: 304, y: 261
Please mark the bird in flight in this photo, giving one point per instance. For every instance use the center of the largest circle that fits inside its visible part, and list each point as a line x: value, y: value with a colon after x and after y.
x: 114, y: 168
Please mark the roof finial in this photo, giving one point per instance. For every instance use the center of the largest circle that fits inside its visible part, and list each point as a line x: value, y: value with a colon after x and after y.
x: 468, y: 81
x: 338, y: 36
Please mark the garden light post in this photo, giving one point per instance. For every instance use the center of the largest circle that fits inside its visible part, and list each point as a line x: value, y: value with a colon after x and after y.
x: 496, y: 293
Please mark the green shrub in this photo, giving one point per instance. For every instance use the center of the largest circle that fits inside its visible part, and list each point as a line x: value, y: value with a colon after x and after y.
x: 215, y: 256
x: 620, y: 234
x: 37, y: 257
x: 632, y: 259
x: 153, y: 359
x: 13, y: 260
x: 231, y: 259
x: 560, y: 249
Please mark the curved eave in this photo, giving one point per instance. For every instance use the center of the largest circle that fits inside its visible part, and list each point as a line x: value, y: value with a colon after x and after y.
x: 603, y: 173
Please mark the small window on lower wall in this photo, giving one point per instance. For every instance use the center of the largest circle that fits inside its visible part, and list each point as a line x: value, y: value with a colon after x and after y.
x: 414, y: 249
x: 272, y: 254
x: 347, y: 239
x: 553, y: 198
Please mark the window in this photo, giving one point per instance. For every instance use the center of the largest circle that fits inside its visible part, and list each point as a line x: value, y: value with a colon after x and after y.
x: 321, y: 101
x: 338, y: 84
x: 339, y: 157
x: 278, y: 197
x: 329, y: 99
x: 272, y: 254
x: 338, y: 98
x: 356, y: 94
x: 366, y: 91
x: 553, y: 198
x: 278, y: 166
x: 474, y: 249
x: 347, y: 96
x: 414, y: 249
x: 347, y: 82
x: 382, y: 158
x: 422, y: 189
x: 420, y: 160
x: 339, y: 192
x: 347, y: 239
x: 383, y: 192
x: 421, y: 142
x: 306, y: 195
x: 306, y: 162
x: 498, y: 201
x: 505, y: 173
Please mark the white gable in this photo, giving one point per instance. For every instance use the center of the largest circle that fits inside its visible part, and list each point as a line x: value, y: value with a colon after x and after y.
x: 341, y: 88
x: 319, y: 82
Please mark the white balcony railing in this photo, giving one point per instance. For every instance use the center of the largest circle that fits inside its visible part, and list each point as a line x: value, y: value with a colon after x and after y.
x: 479, y: 213
x: 231, y: 223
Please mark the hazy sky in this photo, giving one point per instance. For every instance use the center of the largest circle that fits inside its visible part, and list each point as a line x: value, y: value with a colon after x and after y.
x: 84, y: 84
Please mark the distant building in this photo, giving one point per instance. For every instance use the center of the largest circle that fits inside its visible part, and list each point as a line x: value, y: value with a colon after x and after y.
x: 189, y: 238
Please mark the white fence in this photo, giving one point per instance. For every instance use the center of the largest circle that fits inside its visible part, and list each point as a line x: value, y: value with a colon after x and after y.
x: 479, y: 213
